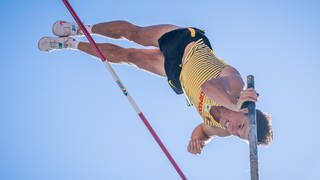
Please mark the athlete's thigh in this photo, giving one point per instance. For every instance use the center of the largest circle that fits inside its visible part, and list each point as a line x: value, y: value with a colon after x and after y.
x: 151, y: 60
x: 149, y: 35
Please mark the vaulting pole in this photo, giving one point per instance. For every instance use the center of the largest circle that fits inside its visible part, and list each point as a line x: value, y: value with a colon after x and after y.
x: 252, y: 134
x: 123, y: 89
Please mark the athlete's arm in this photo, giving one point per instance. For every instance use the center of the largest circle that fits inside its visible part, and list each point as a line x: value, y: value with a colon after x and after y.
x: 202, y: 135
x: 226, y: 89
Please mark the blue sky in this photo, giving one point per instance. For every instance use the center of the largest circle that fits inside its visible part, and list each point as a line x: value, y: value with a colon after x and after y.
x: 63, y: 117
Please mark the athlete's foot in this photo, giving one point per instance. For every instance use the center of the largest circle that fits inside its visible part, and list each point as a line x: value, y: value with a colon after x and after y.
x: 50, y: 43
x: 63, y: 28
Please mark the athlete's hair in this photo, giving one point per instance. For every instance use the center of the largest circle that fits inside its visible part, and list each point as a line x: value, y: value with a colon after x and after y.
x: 264, y: 128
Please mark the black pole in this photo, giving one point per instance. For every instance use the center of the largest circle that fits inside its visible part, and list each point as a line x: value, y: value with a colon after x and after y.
x: 252, y: 133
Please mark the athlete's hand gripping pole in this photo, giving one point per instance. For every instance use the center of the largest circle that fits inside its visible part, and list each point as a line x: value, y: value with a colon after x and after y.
x: 125, y: 92
x: 252, y: 133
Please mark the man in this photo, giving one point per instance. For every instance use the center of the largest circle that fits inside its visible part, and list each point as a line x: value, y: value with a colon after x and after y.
x: 185, y: 57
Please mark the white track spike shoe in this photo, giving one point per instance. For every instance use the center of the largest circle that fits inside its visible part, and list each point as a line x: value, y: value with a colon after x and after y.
x: 50, y: 43
x: 64, y: 28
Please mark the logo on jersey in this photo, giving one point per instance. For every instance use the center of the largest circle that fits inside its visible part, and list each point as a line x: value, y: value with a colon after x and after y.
x: 201, y: 97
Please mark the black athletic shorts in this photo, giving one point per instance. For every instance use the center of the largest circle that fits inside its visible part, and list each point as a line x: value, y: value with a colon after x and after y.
x: 172, y: 45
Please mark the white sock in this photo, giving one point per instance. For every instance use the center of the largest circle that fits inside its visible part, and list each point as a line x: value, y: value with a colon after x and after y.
x: 88, y: 27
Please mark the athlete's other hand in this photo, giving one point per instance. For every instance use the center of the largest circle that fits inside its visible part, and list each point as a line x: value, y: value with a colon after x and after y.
x: 195, y: 146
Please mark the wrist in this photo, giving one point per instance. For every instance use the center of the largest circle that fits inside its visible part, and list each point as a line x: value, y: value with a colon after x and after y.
x: 201, y: 137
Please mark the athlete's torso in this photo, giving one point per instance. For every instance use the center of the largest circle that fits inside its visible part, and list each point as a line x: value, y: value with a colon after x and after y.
x: 199, y: 65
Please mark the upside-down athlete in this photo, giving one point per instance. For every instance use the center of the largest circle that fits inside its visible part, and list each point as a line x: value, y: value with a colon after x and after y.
x: 186, y: 58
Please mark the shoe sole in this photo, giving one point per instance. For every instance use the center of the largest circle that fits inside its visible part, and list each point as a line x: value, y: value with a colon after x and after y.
x: 58, y: 22
x: 42, y: 40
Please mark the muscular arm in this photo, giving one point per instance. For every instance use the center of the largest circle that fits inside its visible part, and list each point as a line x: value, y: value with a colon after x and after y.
x: 202, y: 135
x: 205, y: 132
x: 225, y: 89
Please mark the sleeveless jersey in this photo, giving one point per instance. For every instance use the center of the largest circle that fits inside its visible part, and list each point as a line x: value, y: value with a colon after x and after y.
x: 200, y: 65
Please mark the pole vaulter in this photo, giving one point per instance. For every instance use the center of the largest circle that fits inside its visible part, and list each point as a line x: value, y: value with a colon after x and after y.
x: 123, y: 89
x: 184, y: 56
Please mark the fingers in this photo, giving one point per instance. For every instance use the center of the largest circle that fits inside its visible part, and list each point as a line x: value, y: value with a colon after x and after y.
x: 249, y: 94
x: 244, y: 110
x: 195, y: 146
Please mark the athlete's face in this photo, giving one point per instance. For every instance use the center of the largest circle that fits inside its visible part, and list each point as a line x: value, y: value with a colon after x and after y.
x: 236, y: 123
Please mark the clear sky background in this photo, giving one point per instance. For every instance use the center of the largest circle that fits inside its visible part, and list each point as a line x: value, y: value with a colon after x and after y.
x: 62, y: 117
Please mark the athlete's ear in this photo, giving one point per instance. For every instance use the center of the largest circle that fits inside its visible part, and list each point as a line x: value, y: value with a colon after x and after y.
x: 244, y: 110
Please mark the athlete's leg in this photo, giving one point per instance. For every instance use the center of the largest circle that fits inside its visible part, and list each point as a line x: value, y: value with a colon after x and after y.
x: 151, y: 60
x: 148, y: 59
x: 146, y: 36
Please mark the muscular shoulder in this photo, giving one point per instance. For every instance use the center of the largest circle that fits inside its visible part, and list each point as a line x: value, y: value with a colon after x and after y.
x: 229, y: 71
x: 235, y: 83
